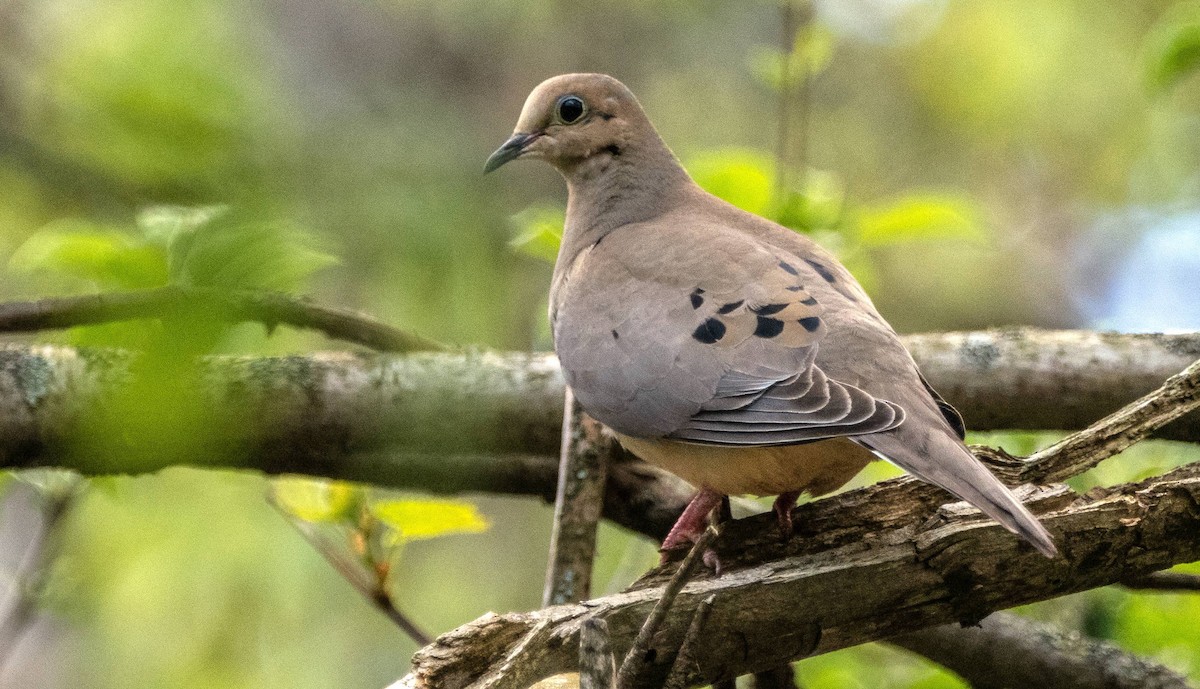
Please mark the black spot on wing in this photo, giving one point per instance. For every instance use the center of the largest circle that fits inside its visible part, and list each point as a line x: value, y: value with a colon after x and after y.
x: 710, y: 331
x: 616, y: 335
x: 811, y: 323
x: 821, y: 270
x: 788, y: 268
x: 811, y: 301
x: 697, y: 300
x: 769, y: 309
x: 796, y: 288
x: 613, y: 149
x: 768, y: 327
x: 730, y: 306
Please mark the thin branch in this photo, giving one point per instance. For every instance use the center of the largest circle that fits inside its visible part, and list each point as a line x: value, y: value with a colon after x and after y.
x: 578, y: 504
x: 383, y: 601
x: 686, y: 664
x: 1010, y: 651
x: 788, y: 26
x: 1165, y: 582
x: 633, y: 667
x: 270, y: 309
x: 365, y: 580
x: 1117, y: 432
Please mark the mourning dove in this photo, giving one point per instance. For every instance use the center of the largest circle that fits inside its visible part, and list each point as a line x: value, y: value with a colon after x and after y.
x: 727, y: 349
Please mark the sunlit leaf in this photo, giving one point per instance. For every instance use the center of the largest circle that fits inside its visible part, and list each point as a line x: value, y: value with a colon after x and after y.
x: 315, y: 500
x: 413, y: 520
x: 92, y: 252
x: 818, y: 206
x: 1173, y: 47
x: 234, y: 252
x: 165, y: 225
x: 538, y: 232
x: 741, y: 176
x: 918, y: 218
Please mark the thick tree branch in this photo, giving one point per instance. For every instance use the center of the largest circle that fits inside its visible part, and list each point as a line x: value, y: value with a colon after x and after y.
x: 871, y: 579
x: 311, y: 414
x: 270, y: 309
x: 358, y: 410
x: 1088, y: 546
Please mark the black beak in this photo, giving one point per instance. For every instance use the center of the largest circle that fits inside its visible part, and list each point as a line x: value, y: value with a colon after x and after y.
x: 511, y: 150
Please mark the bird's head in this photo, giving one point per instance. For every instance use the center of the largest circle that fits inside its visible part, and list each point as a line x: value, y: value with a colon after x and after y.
x: 572, y: 119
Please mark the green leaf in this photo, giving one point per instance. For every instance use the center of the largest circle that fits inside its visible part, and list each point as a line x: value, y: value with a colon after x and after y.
x: 1173, y: 47
x: 316, y: 500
x: 92, y: 252
x: 413, y: 520
x: 818, y: 206
x: 919, y: 218
x: 741, y: 176
x: 165, y: 225
x: 235, y: 252
x: 538, y: 232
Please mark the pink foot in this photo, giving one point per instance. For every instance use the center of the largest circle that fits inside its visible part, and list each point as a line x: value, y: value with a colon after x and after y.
x: 692, y: 522
x: 783, y: 513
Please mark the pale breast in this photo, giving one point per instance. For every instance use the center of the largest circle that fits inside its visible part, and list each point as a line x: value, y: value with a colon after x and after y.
x: 815, y: 468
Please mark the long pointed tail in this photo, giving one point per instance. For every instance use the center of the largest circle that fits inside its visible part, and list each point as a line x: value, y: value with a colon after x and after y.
x: 945, y: 462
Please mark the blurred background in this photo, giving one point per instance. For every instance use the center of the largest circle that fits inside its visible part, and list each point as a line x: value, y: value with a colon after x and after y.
x: 976, y: 164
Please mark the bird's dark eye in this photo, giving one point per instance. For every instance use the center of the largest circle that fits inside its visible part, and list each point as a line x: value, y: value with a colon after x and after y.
x: 570, y: 109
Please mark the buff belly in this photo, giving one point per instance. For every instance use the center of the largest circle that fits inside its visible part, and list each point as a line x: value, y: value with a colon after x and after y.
x: 816, y: 468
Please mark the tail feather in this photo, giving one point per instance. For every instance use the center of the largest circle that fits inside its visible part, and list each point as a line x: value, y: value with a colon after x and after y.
x: 938, y: 458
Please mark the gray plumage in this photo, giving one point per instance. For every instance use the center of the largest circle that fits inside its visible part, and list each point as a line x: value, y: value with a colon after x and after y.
x: 685, y: 323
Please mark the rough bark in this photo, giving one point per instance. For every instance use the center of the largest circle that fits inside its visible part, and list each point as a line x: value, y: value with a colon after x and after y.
x: 907, y: 567
x: 311, y: 414
x: 890, y: 573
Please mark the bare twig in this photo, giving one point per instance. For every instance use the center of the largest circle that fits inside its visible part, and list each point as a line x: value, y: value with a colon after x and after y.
x: 788, y: 26
x: 270, y: 309
x: 635, y: 659
x: 685, y: 664
x: 578, y: 503
x: 369, y: 580
x: 1116, y: 432
x: 1109, y: 436
x: 1165, y: 582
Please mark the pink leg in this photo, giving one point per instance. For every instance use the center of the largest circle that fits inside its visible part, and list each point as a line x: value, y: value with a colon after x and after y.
x: 783, y: 512
x: 693, y: 521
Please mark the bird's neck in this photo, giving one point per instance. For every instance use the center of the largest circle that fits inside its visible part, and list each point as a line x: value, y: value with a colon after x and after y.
x: 631, y: 182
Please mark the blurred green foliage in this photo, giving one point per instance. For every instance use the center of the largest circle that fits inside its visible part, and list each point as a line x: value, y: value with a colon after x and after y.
x: 1173, y: 47
x: 953, y: 154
